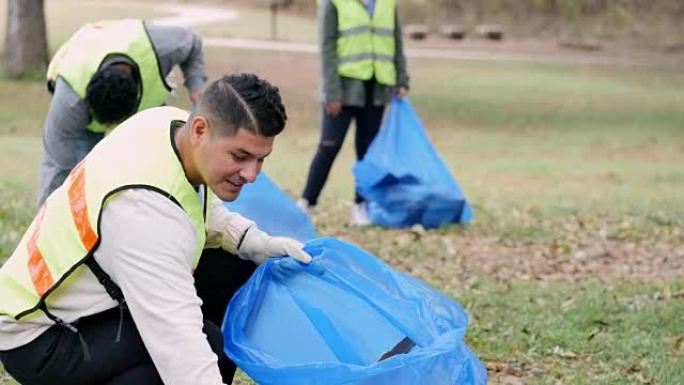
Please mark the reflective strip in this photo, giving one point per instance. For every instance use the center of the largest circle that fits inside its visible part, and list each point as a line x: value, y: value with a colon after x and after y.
x: 383, y: 31
x: 355, y: 31
x: 79, y: 207
x: 366, y: 56
x: 40, y: 274
x: 360, y: 30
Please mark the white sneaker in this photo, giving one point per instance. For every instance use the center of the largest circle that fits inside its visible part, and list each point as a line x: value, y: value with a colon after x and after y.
x: 304, y: 205
x: 359, y: 215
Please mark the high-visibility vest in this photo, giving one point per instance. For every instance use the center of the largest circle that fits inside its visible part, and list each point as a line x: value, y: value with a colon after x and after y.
x: 81, y: 56
x: 365, y: 45
x: 66, y: 231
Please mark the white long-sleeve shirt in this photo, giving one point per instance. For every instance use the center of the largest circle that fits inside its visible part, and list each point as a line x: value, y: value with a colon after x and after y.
x: 147, y: 247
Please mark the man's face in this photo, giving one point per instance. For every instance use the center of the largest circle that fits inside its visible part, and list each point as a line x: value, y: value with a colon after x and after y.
x: 226, y: 163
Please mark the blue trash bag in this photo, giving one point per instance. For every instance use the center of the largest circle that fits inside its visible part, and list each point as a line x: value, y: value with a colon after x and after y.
x: 403, y: 178
x: 333, y: 321
x: 272, y: 210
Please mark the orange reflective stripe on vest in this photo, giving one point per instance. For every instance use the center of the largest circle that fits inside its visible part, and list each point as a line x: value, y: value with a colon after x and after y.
x: 79, y: 207
x: 40, y: 274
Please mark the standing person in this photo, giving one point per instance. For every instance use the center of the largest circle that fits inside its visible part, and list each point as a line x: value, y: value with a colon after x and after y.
x: 100, y: 290
x: 103, y: 74
x: 363, y: 66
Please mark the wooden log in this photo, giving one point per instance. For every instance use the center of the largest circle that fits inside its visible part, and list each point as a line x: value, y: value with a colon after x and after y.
x: 453, y: 31
x: 416, y: 31
x: 490, y: 31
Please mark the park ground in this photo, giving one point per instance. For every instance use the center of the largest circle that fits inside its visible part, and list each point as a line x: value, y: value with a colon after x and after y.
x: 573, y: 271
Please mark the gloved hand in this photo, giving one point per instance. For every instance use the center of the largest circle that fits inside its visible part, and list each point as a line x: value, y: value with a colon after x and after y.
x: 259, y: 247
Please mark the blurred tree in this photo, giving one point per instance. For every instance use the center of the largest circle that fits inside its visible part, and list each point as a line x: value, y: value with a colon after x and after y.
x: 26, y: 39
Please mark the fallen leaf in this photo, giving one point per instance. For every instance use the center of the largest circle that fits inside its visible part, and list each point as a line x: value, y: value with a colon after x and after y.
x: 560, y: 352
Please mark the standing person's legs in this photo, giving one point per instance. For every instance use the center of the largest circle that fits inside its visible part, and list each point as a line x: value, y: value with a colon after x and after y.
x: 218, y: 277
x: 332, y: 136
x: 368, y: 121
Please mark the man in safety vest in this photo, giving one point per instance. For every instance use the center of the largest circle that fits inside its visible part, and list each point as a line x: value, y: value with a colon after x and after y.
x: 103, y: 74
x: 363, y: 66
x: 124, y: 275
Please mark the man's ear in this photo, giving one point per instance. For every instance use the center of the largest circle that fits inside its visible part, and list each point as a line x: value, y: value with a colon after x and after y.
x: 198, y: 129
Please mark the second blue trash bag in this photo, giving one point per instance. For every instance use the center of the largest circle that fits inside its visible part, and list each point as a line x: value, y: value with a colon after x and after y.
x: 348, y: 318
x: 272, y: 210
x: 403, y: 178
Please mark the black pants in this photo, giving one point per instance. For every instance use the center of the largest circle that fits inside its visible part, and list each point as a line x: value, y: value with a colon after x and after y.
x: 56, y: 356
x: 368, y: 120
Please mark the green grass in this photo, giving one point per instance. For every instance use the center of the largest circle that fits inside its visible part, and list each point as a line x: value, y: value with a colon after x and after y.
x: 577, y: 334
x: 586, y: 160
x: 23, y: 105
x: 557, y: 140
x: 580, y: 334
x: 550, y: 97
x: 20, y: 157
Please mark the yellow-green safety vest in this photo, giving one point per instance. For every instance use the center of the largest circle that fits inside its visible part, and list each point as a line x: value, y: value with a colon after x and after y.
x: 366, y: 45
x: 77, y: 60
x: 66, y: 231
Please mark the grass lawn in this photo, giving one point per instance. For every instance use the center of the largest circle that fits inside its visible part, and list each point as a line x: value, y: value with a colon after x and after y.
x: 571, y: 273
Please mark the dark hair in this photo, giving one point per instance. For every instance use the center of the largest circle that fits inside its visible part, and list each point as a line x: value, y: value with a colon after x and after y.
x: 244, y: 101
x: 112, y: 95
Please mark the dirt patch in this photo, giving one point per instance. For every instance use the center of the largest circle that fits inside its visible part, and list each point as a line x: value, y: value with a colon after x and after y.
x: 505, y: 373
x: 562, y: 250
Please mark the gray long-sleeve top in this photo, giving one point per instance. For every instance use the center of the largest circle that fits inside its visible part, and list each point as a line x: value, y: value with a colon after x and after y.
x: 65, y: 138
x: 352, y: 92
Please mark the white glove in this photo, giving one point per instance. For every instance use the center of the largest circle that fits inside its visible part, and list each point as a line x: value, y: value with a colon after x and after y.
x: 259, y: 247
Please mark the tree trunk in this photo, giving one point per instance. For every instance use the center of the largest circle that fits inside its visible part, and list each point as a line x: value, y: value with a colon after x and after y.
x: 26, y: 38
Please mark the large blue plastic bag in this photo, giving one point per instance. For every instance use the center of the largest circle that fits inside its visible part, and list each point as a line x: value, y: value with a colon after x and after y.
x: 272, y: 210
x: 331, y: 321
x: 403, y: 178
